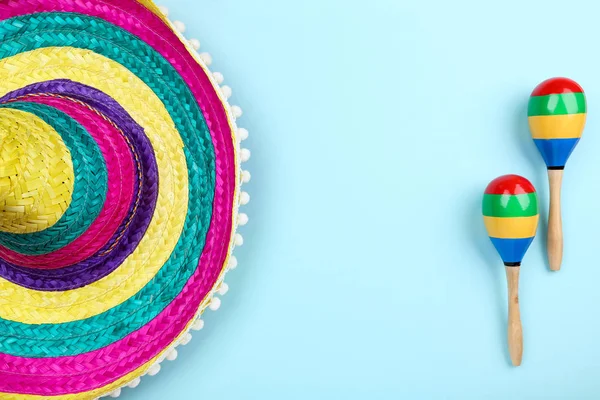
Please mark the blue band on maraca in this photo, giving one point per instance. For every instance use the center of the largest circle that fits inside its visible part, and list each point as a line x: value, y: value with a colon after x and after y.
x: 512, y: 251
x: 556, y: 152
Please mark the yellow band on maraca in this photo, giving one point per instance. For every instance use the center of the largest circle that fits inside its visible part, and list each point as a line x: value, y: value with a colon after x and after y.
x: 36, y: 173
x: 567, y: 126
x: 511, y: 227
x: 32, y: 307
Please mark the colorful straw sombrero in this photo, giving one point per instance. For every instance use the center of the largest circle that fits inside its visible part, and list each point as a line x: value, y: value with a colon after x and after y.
x: 120, y: 183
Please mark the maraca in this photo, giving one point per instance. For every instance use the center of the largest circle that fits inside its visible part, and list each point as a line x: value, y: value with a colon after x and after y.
x: 510, y: 214
x: 557, y: 114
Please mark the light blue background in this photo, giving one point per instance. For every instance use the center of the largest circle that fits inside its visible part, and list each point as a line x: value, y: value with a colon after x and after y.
x: 367, y: 273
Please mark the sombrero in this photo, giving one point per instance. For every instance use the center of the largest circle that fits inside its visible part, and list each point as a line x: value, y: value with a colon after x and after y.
x: 120, y: 185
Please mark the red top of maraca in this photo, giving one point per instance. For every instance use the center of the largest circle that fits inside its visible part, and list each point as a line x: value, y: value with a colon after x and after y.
x: 557, y: 86
x: 510, y: 184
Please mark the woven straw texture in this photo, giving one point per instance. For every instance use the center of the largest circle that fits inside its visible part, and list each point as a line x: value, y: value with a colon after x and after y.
x: 119, y: 187
x: 31, y: 149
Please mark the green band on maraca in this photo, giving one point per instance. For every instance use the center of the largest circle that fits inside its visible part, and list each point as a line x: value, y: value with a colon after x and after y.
x: 500, y: 205
x: 557, y: 104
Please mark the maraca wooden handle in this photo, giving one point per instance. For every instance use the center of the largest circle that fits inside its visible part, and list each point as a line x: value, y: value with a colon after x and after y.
x: 515, y: 330
x: 555, y: 234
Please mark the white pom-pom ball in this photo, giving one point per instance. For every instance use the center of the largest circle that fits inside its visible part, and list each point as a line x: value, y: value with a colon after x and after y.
x: 115, y: 393
x: 187, y: 338
x: 218, y: 77
x: 223, y: 289
x: 172, y: 355
x: 227, y: 92
x: 195, y: 43
x: 134, y: 383
x: 180, y: 26
x: 239, y: 240
x: 155, y: 369
x: 245, y: 155
x: 242, y: 219
x: 242, y: 133
x: 246, y: 176
x: 215, y: 303
x: 164, y: 10
x: 236, y: 111
x: 233, y: 263
x: 198, y: 325
x: 244, y: 198
x: 206, y: 58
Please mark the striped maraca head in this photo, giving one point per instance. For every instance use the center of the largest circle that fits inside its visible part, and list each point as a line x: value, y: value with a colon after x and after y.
x: 510, y: 213
x: 557, y: 114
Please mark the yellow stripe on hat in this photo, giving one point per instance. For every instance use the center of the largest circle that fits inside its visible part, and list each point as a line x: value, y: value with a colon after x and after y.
x: 511, y: 227
x: 567, y: 126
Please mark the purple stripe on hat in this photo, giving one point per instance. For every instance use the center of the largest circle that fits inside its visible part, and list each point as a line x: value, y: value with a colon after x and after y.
x: 133, y: 227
